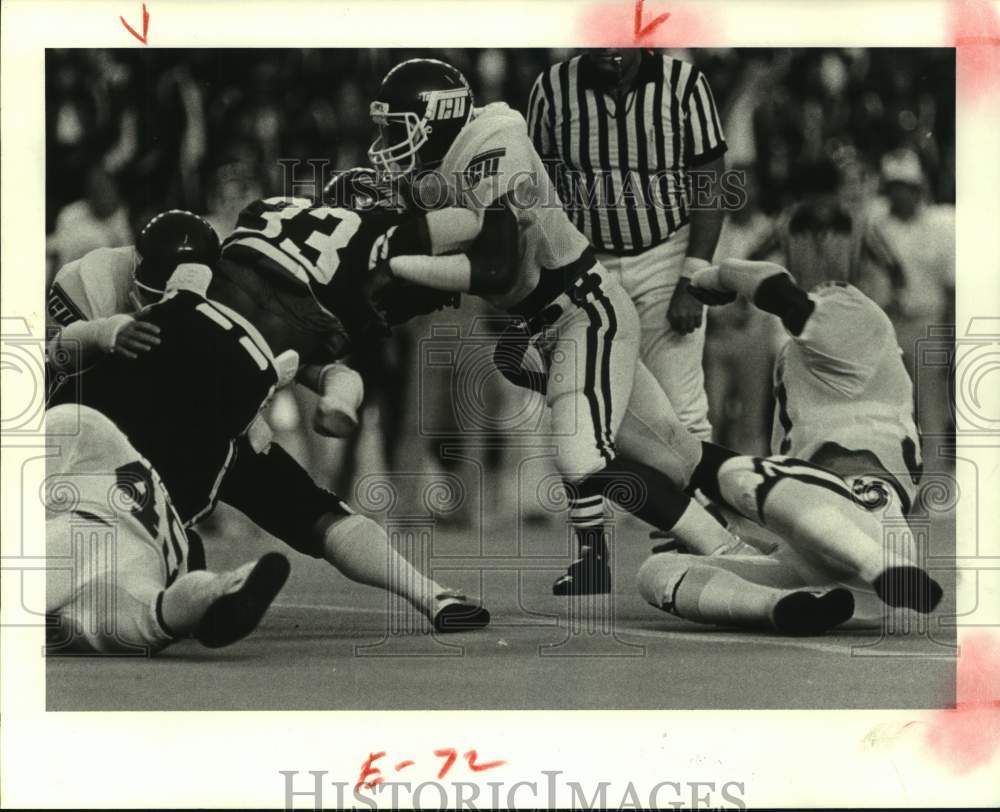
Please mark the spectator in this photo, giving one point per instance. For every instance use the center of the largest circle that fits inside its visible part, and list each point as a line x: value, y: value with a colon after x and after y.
x: 820, y: 240
x: 99, y: 220
x: 923, y: 236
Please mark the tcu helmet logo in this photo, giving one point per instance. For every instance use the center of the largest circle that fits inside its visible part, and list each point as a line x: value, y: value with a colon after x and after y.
x: 446, y: 104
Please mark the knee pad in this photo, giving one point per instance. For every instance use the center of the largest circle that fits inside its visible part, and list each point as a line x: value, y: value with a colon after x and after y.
x: 740, y: 484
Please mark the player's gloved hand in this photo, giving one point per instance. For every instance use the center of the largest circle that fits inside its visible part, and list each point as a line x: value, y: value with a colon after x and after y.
x: 130, y: 336
x: 684, y: 311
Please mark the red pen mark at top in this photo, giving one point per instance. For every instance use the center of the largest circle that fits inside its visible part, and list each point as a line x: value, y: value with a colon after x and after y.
x: 642, y: 31
x: 619, y: 25
x: 967, y: 736
x: 402, y: 764
x: 145, y: 26
x: 975, y: 30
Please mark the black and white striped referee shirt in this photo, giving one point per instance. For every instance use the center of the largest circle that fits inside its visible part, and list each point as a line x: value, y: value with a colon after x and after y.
x: 621, y: 173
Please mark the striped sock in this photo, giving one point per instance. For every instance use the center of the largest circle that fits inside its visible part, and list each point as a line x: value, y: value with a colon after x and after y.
x: 586, y: 517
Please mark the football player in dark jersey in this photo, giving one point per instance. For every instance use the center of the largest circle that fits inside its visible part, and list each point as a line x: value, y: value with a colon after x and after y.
x: 191, y: 404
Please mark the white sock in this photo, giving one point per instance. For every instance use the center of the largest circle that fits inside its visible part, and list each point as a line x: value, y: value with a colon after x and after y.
x: 360, y: 549
x: 186, y: 600
x: 699, y: 532
x: 691, y: 588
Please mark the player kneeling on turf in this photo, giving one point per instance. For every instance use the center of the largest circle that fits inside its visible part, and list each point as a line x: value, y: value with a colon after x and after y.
x: 121, y: 577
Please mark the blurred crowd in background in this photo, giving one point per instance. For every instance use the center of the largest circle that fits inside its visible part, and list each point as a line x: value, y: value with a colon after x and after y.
x: 132, y: 132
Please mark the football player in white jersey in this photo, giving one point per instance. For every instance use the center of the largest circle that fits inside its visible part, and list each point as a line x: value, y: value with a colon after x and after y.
x: 844, y: 402
x: 618, y: 435
x: 528, y: 260
x: 119, y: 576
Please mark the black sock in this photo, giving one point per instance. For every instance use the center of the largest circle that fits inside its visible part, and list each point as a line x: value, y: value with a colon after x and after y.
x: 780, y: 295
x: 641, y: 490
x: 705, y: 476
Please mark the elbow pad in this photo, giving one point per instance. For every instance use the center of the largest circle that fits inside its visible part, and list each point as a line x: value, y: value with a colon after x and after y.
x: 494, y: 254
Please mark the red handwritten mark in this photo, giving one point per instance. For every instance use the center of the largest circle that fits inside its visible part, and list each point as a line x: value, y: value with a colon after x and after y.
x: 471, y: 757
x: 967, y: 736
x: 619, y: 25
x: 145, y: 26
x: 975, y: 30
x: 643, y: 31
x: 403, y: 764
x: 451, y: 755
x: 368, y: 770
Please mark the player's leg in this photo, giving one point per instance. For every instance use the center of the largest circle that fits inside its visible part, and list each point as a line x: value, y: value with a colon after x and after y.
x: 675, y: 360
x: 591, y: 391
x: 279, y: 496
x: 360, y: 549
x: 815, y: 513
x: 746, y: 591
x: 111, y: 530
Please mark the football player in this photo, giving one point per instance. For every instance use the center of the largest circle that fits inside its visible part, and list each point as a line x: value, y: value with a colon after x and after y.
x: 121, y: 577
x: 191, y: 405
x: 844, y: 402
x: 95, y: 306
x: 617, y: 432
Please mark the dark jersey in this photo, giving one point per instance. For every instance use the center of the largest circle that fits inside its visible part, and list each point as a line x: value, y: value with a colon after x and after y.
x: 184, y: 403
x: 335, y: 251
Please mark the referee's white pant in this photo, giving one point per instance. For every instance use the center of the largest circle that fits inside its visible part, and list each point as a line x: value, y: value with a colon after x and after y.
x: 675, y: 360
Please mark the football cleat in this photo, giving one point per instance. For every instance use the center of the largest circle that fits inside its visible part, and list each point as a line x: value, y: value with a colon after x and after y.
x: 585, y: 576
x: 236, y: 613
x: 454, y: 612
x: 805, y: 612
x: 909, y: 587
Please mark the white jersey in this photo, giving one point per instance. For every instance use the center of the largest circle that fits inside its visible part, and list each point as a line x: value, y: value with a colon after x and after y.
x: 95, y: 286
x: 843, y: 381
x: 492, y: 157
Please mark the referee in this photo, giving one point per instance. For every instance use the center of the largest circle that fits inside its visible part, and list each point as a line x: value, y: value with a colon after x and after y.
x: 621, y: 130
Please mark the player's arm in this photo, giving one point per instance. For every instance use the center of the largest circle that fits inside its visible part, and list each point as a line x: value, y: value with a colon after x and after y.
x: 500, y: 175
x: 341, y: 392
x: 705, y: 149
x: 488, y: 263
x: 74, y: 340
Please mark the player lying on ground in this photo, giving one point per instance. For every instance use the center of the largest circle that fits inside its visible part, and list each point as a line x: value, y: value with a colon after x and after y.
x: 121, y: 577
x: 191, y: 404
x: 618, y: 435
x: 845, y: 402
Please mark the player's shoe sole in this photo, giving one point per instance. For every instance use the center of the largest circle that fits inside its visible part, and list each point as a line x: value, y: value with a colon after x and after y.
x: 585, y: 576
x: 456, y: 613
x: 233, y: 616
x: 803, y: 613
x: 908, y: 587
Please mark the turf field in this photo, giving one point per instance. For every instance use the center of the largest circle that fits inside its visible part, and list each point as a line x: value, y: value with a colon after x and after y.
x: 328, y: 643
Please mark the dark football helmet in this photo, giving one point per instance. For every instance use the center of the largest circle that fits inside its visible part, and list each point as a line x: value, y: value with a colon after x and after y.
x: 362, y: 188
x: 421, y: 107
x: 170, y: 239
